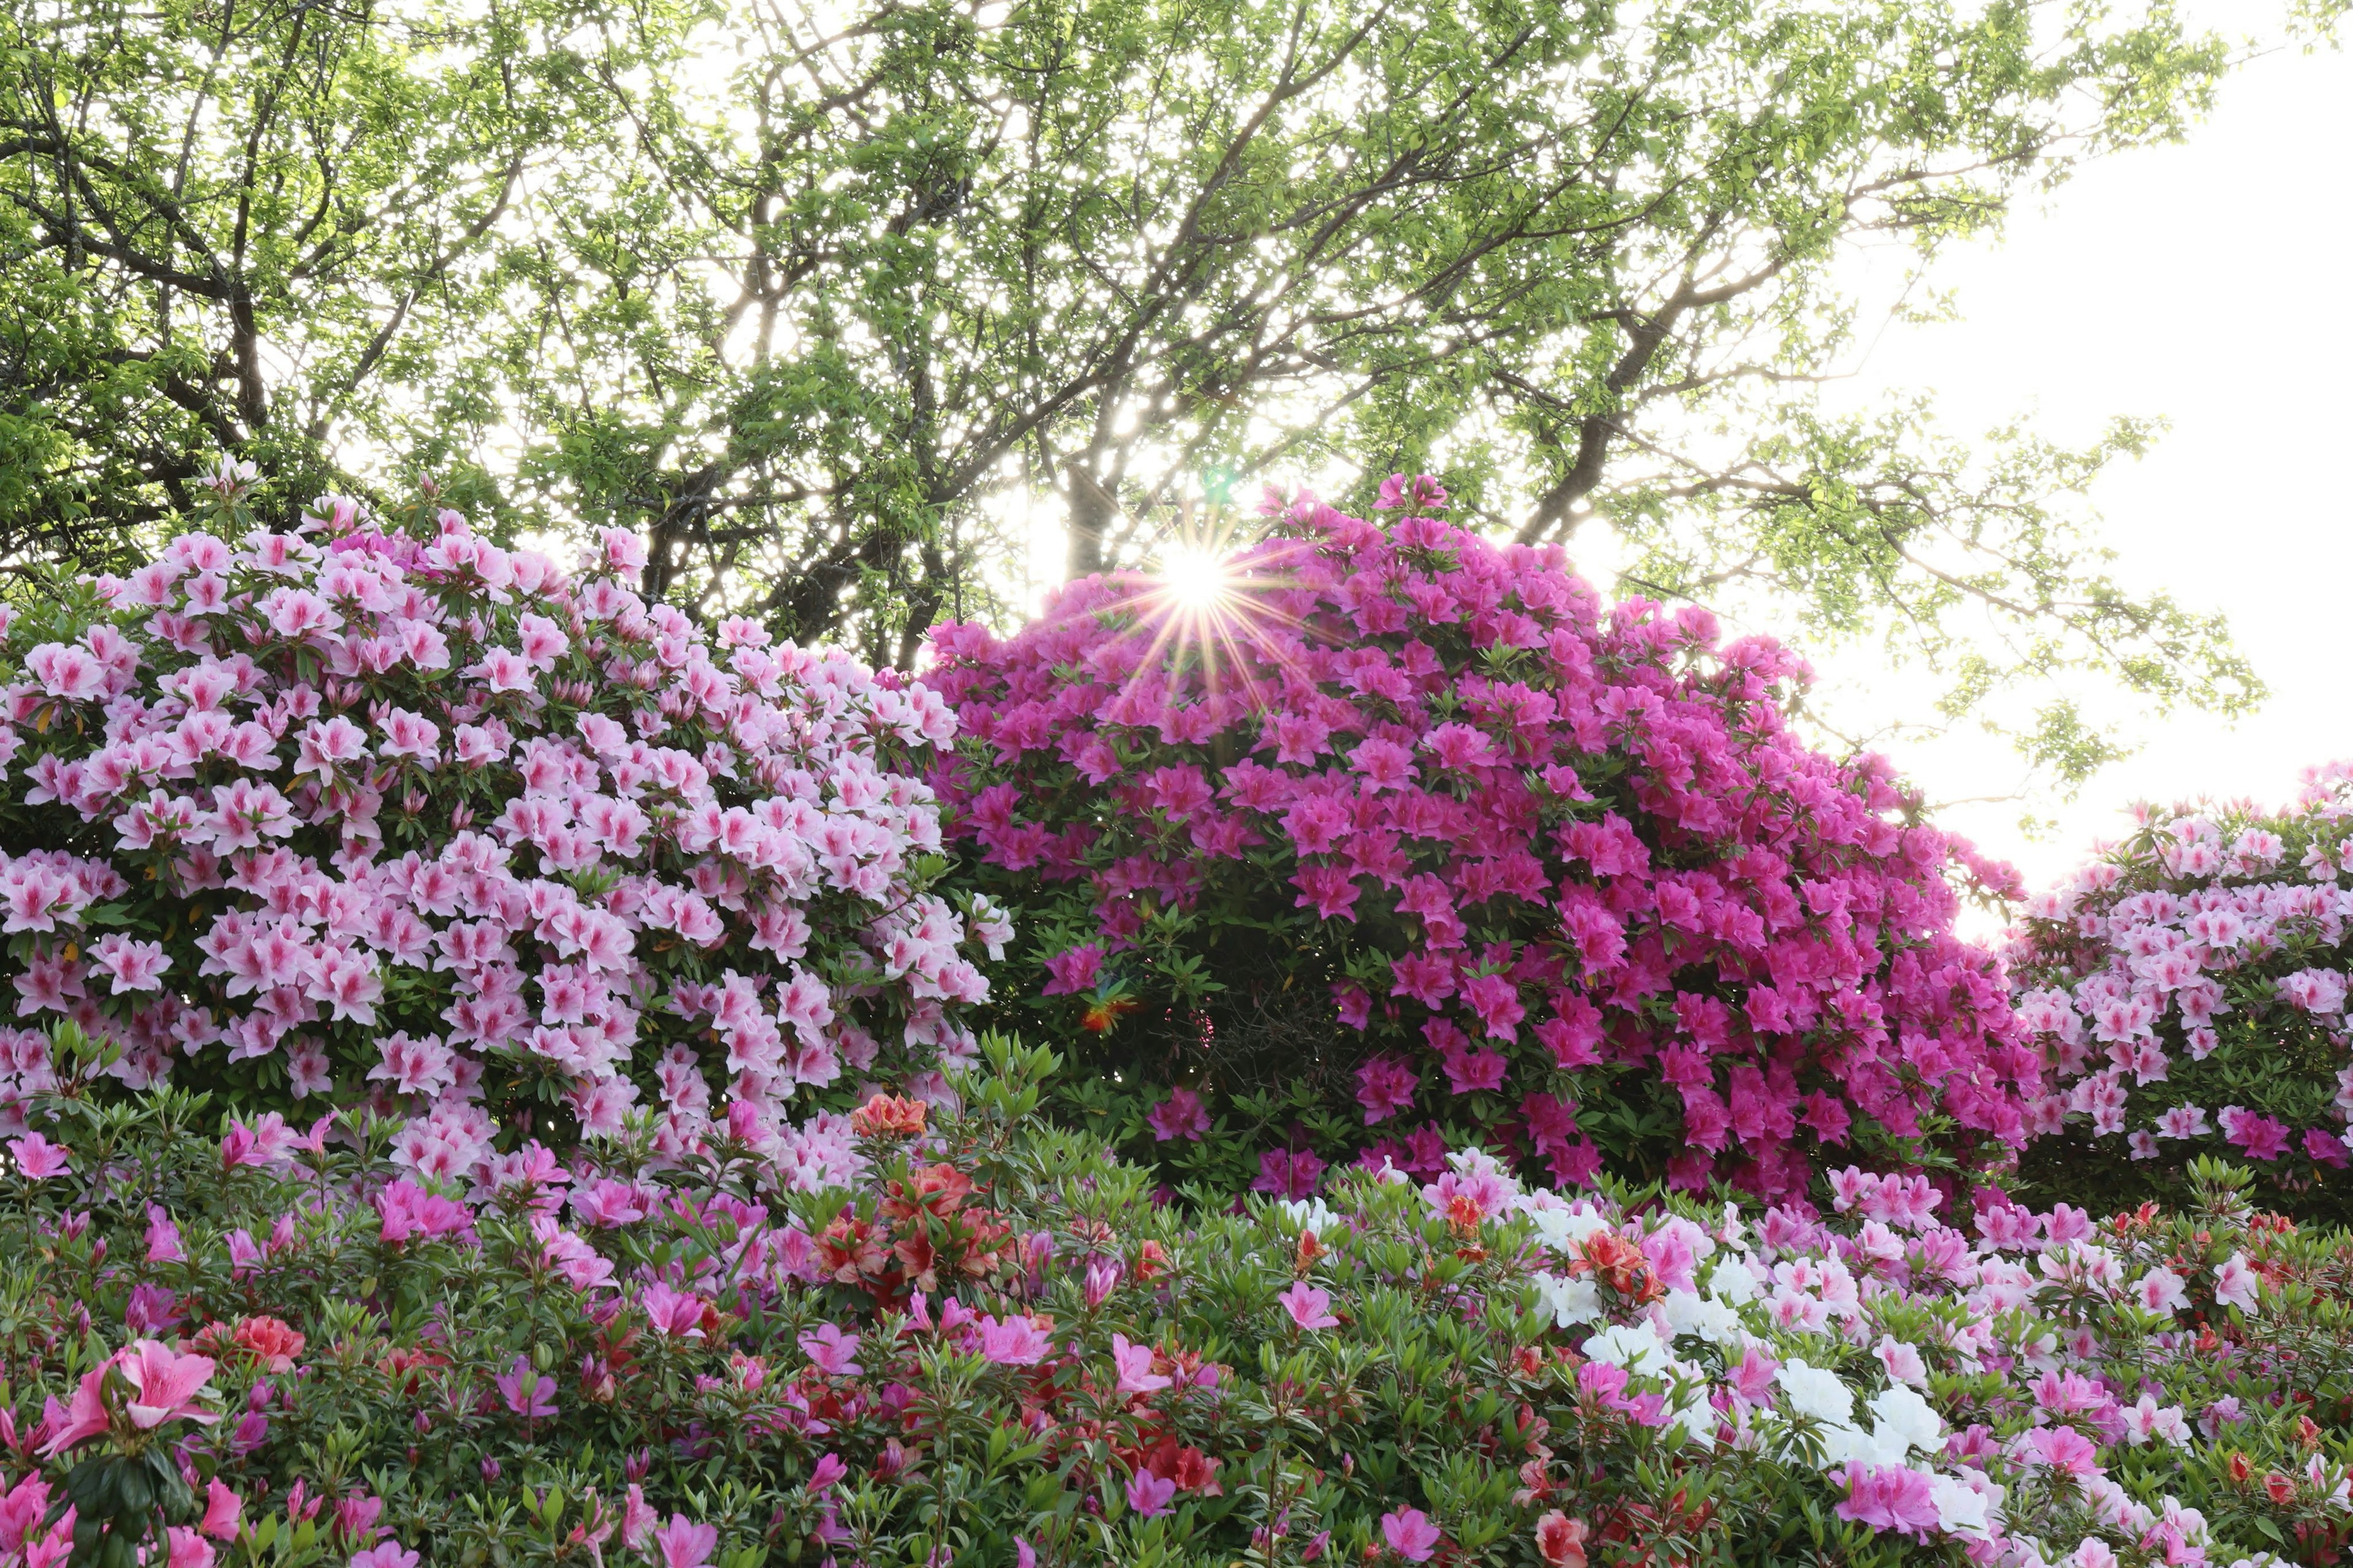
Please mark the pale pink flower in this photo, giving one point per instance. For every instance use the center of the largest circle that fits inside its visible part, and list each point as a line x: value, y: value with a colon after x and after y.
x: 2160, y: 1291
x: 165, y: 1385
x: 2236, y: 1284
x: 1135, y: 1364
x: 1309, y: 1307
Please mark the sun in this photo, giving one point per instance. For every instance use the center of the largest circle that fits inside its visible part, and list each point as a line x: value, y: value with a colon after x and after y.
x: 1196, y: 579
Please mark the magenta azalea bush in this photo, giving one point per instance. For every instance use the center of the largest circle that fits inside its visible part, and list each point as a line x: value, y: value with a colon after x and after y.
x: 378, y: 812
x: 994, y: 1348
x: 2191, y: 989
x: 1400, y: 842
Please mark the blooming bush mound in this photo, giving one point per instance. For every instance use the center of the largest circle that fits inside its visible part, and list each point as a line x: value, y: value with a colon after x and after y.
x: 376, y: 812
x: 1401, y: 841
x: 993, y: 1347
x: 2191, y: 988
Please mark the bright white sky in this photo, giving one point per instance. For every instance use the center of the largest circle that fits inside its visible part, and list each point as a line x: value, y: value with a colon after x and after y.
x: 2198, y: 282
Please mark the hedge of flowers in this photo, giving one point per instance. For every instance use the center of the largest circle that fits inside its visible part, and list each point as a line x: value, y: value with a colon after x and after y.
x: 492, y: 1082
x: 995, y: 1348
x: 1399, y: 842
x: 2191, y: 987
x: 379, y: 810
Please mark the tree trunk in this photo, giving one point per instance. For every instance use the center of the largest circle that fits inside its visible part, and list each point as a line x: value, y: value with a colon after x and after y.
x: 1091, y: 511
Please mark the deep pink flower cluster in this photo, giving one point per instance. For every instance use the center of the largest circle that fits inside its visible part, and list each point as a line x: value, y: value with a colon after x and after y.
x: 1544, y: 859
x: 2191, y: 987
x: 385, y: 810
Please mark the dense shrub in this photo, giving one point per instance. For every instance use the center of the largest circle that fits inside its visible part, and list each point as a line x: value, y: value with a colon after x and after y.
x: 2191, y: 987
x: 379, y: 810
x: 998, y: 1349
x: 1398, y: 841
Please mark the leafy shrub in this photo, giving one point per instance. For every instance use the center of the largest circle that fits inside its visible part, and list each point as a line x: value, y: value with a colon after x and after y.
x: 995, y: 1348
x: 381, y: 811
x: 1398, y: 841
x: 2189, y: 987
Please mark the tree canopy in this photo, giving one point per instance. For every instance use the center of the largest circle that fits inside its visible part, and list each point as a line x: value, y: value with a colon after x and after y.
x: 823, y: 295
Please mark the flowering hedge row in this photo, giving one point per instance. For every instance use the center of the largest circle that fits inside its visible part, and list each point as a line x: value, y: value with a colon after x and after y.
x: 2191, y: 987
x: 421, y: 954
x: 1398, y: 841
x: 996, y: 1348
x: 379, y: 810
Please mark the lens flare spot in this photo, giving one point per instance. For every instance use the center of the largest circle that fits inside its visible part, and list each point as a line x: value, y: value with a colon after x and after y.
x: 1196, y: 578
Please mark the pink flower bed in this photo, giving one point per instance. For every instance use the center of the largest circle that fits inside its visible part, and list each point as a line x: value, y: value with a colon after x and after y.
x: 994, y: 1350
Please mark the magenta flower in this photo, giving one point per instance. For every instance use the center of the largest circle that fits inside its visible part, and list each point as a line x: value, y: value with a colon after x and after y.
x: 1411, y: 1534
x: 674, y: 1312
x: 1289, y: 1174
x: 357, y: 1514
x: 2062, y: 1449
x: 1475, y: 1071
x: 1422, y: 492
x: 2263, y: 1137
x: 1149, y: 1494
x: 1385, y: 1086
x: 21, y: 1509
x: 526, y: 1394
x: 1074, y: 970
x: 831, y: 1350
x: 1752, y: 1379
x: 1181, y: 1115
x: 151, y: 1308
x: 1887, y: 1497
x: 1308, y: 1307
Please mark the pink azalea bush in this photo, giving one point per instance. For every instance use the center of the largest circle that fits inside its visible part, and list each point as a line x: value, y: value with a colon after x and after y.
x: 994, y: 1348
x: 377, y: 811
x: 1402, y: 842
x: 2190, y: 987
